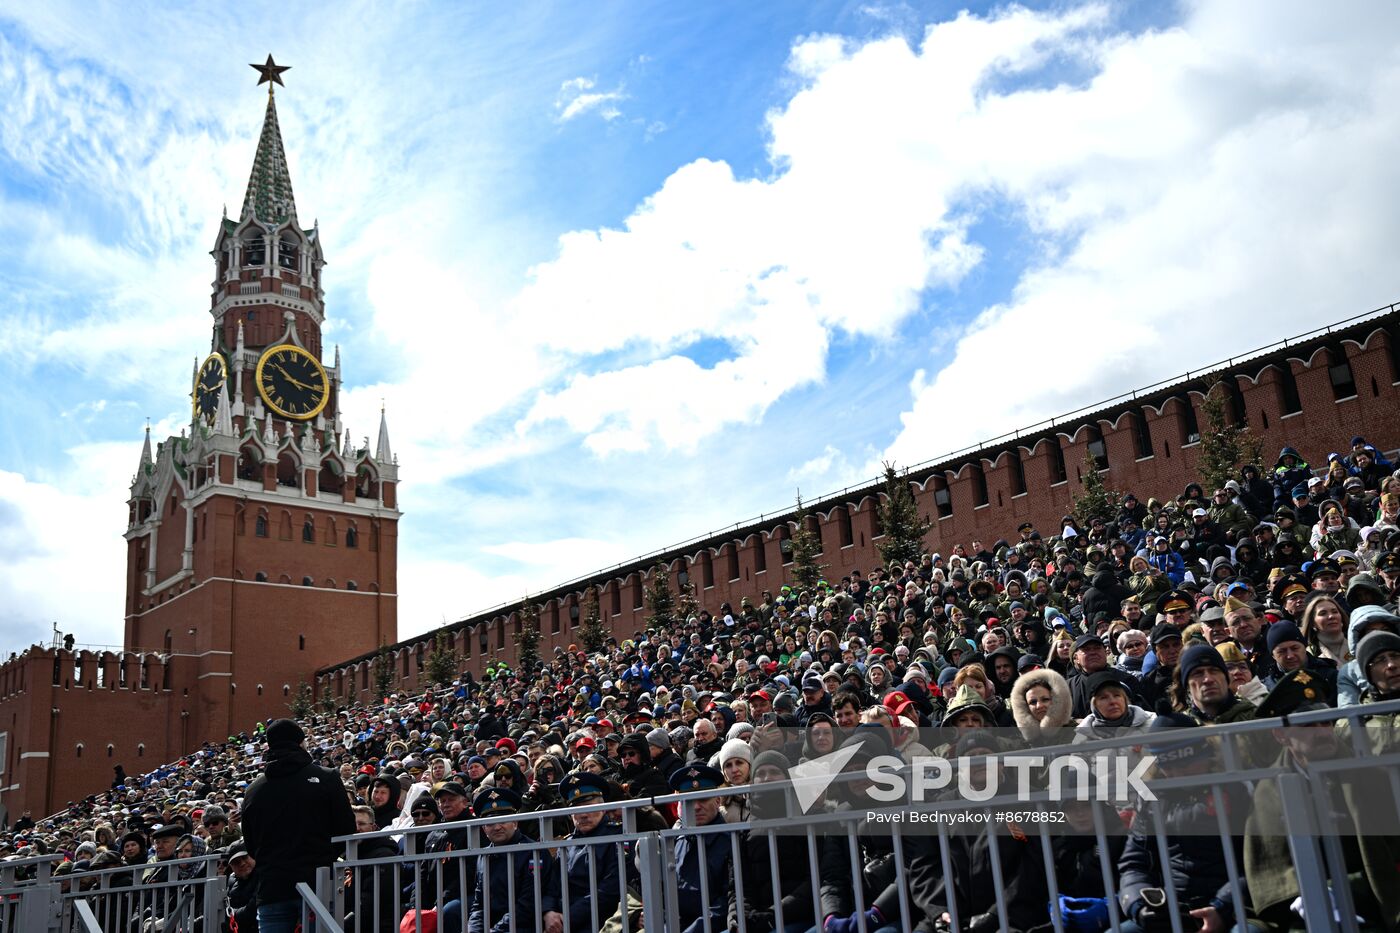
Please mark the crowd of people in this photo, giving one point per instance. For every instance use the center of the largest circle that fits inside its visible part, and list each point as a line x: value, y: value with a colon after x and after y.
x: 1270, y: 595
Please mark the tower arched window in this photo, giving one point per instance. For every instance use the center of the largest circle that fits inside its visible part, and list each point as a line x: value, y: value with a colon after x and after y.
x: 261, y: 528
x: 352, y: 537
x: 254, y: 249
x: 249, y: 464
x: 260, y: 576
x: 308, y: 531
x: 288, y: 254
x: 307, y: 581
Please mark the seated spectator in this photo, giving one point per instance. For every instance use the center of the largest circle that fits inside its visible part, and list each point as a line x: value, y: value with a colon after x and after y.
x: 1111, y: 711
x: 1041, y: 705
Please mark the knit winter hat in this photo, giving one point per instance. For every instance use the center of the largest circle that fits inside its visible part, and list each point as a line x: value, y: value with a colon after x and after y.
x: 735, y: 748
x: 284, y: 732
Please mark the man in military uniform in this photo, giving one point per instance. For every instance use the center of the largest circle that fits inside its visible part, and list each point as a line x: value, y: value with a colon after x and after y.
x: 591, y: 870
x: 1290, y: 593
x: 712, y: 849
x: 1326, y: 575
x: 1388, y: 566
x: 1177, y: 608
x: 498, y: 876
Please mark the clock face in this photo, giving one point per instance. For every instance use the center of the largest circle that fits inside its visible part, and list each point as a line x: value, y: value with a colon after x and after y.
x: 207, y: 385
x: 292, y: 382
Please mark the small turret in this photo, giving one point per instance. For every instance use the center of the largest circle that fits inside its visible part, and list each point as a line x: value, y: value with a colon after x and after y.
x: 146, y: 460
x: 382, y: 451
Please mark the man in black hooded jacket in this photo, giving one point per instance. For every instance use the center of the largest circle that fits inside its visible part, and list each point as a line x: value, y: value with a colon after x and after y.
x: 1105, y: 594
x: 290, y: 815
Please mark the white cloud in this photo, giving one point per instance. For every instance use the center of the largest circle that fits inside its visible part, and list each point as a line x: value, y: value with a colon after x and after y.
x: 1211, y: 189
x: 53, y: 570
x: 577, y: 97
x: 1193, y: 191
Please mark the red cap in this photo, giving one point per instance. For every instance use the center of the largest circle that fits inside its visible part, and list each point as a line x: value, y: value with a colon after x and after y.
x: 507, y: 743
x: 587, y: 741
x: 897, y: 702
x: 760, y: 692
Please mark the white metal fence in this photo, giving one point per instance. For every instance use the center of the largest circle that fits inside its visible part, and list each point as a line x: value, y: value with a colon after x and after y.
x: 784, y: 868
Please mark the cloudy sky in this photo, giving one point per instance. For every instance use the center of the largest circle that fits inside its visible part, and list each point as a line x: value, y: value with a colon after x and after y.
x: 624, y: 273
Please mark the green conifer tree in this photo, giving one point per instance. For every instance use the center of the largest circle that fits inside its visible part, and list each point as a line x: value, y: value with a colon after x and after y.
x: 902, y: 526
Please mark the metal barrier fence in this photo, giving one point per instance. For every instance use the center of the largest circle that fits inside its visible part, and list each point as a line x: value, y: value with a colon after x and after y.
x: 782, y: 865
x: 854, y: 856
x: 148, y: 898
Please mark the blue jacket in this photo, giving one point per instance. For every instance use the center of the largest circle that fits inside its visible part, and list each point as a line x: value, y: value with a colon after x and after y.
x: 1170, y: 563
x: 582, y: 892
x: 715, y: 850
x: 1284, y: 479
x: 523, y: 866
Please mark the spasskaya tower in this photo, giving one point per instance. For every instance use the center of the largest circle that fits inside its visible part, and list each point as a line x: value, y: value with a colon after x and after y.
x: 262, y: 540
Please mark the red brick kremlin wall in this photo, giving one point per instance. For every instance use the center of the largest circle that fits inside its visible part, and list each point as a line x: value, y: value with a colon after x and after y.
x: 1314, y: 394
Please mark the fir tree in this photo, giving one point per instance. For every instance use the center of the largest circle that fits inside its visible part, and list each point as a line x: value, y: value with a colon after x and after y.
x: 441, y: 663
x: 1095, y: 499
x: 1225, y: 447
x: 527, y: 643
x: 806, y: 546
x: 327, y: 703
x: 900, y: 523
x: 591, y: 631
x: 686, y: 603
x: 660, y: 602
x: 301, y: 704
x: 383, y: 673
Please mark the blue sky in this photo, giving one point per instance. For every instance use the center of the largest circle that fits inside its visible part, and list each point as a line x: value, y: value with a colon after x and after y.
x: 626, y: 273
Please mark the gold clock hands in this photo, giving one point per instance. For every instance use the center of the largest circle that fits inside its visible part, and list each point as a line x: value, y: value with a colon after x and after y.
x: 293, y: 380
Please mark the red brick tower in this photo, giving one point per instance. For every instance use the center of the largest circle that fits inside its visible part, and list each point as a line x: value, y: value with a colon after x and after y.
x: 262, y: 542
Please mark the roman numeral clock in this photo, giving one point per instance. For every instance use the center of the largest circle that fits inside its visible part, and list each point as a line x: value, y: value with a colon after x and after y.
x: 292, y: 382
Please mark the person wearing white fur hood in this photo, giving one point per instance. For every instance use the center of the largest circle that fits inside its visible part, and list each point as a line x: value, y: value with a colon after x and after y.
x: 1042, y: 705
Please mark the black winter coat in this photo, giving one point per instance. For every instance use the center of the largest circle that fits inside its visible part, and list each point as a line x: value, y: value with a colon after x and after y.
x: 973, y: 887
x: 290, y: 815
x: 877, y: 871
x: 381, y: 882
x: 1105, y: 594
x: 1195, y: 856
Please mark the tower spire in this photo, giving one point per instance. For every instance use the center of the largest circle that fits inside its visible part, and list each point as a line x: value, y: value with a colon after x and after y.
x: 269, y: 196
x: 382, y: 451
x: 146, y: 459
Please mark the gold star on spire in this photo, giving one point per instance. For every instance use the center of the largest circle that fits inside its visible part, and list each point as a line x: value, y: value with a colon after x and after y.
x: 270, y: 72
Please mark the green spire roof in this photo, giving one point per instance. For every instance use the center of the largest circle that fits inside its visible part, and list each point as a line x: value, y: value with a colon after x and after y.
x: 269, y: 194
